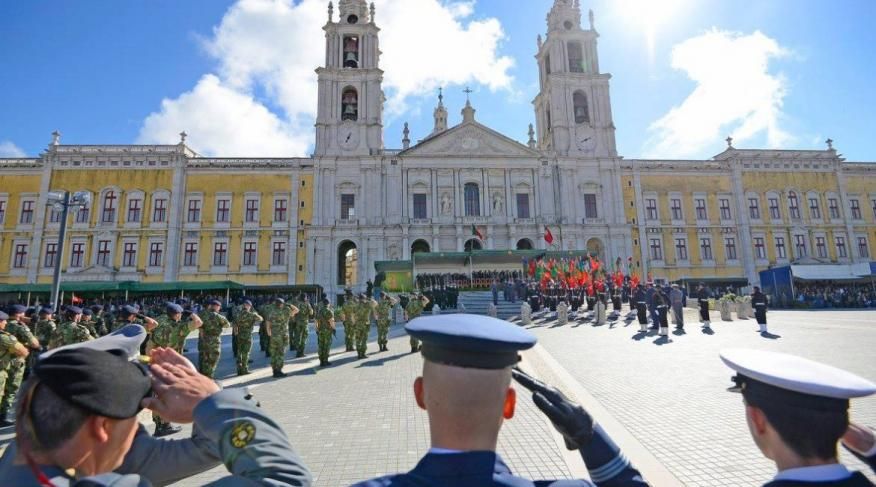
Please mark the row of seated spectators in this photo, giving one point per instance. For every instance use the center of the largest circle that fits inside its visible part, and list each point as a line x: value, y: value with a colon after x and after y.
x: 478, y: 279
x: 835, y: 295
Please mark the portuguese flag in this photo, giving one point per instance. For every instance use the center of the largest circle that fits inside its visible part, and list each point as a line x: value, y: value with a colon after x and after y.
x: 548, y: 236
x: 477, y: 232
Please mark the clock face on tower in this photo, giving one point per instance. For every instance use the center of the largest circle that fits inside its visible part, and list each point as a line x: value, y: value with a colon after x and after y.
x: 348, y: 136
x: 585, y: 137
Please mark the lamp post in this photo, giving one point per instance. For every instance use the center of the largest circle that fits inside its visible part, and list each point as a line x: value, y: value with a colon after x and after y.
x: 63, y: 201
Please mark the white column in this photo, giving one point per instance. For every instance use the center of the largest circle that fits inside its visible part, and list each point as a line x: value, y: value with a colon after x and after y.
x: 174, y: 226
x: 743, y: 239
x: 39, y: 218
x: 640, y: 222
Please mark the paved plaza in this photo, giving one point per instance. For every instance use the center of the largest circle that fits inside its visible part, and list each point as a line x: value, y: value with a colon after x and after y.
x: 664, y: 403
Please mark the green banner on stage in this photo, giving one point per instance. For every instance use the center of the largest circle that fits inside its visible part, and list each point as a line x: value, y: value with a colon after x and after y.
x: 398, y: 281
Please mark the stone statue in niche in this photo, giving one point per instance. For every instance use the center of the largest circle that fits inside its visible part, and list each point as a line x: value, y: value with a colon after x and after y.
x: 446, y: 204
x: 498, y: 204
x: 393, y: 252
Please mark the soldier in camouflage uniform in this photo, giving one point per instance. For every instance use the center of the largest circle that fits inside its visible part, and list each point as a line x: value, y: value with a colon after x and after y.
x: 211, y: 336
x: 305, y: 313
x: 17, y: 327
x: 264, y: 339
x: 70, y: 330
x: 277, y: 319
x: 99, y: 321
x: 348, y: 316
x: 171, y: 332
x: 415, y: 309
x: 364, y: 312
x: 11, y: 350
x: 88, y: 322
x: 244, y: 319
x: 325, y: 329
x: 44, y: 328
x: 384, y: 308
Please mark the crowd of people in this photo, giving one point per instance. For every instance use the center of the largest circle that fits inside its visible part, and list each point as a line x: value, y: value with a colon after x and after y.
x: 835, y: 295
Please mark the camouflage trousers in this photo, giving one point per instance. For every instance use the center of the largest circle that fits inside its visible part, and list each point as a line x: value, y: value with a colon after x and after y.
x: 4, y: 375
x: 362, y: 338
x: 293, y: 335
x: 244, y: 345
x: 299, y: 339
x: 264, y: 339
x: 324, y: 343
x: 382, y: 332
x: 15, y: 374
x: 279, y: 342
x: 349, y: 335
x: 415, y: 344
x: 209, y: 349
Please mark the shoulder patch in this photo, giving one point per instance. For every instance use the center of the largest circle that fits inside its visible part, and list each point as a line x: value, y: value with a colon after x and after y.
x: 242, y: 434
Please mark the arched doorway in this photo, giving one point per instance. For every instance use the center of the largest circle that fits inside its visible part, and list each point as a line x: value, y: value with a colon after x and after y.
x: 420, y: 246
x: 473, y: 244
x: 348, y: 260
x: 524, y: 244
x: 595, y: 248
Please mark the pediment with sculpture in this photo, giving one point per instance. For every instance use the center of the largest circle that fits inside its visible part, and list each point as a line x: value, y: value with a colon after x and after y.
x: 470, y: 139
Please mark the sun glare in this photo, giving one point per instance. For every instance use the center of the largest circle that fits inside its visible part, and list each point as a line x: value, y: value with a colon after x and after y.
x: 649, y: 16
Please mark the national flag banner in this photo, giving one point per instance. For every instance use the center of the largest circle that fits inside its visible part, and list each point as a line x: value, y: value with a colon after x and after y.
x: 548, y: 236
x: 477, y: 232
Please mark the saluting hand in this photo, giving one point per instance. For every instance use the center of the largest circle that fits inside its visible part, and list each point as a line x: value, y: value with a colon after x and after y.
x: 178, y: 387
x: 569, y: 418
x: 859, y: 438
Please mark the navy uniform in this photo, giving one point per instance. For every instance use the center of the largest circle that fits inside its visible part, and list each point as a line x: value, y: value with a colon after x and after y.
x: 703, y: 300
x: 661, y: 304
x: 652, y: 311
x: 641, y: 307
x: 488, y: 344
x: 759, y: 303
x: 786, y: 393
x: 229, y: 426
x: 616, y: 298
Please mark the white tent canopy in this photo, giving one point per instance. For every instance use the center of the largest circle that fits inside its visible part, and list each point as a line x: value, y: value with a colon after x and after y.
x: 826, y: 272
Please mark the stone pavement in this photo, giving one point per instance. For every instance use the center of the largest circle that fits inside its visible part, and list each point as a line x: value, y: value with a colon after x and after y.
x: 671, y: 396
x: 664, y: 403
x: 357, y: 419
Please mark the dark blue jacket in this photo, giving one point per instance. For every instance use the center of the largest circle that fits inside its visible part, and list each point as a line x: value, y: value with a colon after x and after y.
x: 606, y: 464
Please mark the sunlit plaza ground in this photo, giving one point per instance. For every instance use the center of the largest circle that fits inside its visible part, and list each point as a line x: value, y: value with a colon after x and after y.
x: 665, y: 404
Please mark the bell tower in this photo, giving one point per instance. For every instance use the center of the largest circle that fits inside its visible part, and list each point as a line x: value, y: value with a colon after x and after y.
x: 573, y: 106
x: 349, y: 120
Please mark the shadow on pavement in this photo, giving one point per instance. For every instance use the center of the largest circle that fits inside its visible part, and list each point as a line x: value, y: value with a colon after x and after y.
x: 382, y: 360
x: 662, y: 341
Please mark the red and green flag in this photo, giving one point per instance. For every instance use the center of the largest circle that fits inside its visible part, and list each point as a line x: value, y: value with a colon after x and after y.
x: 548, y: 236
x: 477, y: 232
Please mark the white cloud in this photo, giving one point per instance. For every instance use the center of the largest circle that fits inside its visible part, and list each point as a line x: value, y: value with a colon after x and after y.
x: 428, y: 44
x: 227, y: 123
x: 8, y: 149
x: 735, y: 94
x: 272, y: 48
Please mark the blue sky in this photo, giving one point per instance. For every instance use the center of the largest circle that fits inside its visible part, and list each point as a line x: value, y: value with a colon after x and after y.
x: 238, y: 76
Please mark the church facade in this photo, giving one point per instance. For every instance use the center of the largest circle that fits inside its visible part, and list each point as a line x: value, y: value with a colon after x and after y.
x: 165, y: 213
